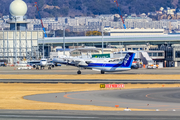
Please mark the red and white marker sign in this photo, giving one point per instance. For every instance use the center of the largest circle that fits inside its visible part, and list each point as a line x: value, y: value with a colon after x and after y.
x: 114, y: 86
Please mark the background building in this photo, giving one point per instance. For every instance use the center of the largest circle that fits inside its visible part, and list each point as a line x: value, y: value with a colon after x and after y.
x: 18, y: 43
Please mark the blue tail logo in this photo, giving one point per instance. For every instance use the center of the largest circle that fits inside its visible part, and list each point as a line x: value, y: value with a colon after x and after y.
x: 127, y: 61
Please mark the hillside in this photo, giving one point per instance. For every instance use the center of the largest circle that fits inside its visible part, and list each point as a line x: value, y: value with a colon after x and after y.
x: 56, y: 8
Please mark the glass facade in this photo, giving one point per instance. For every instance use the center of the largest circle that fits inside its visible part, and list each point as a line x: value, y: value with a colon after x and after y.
x: 177, y: 54
x: 160, y: 54
x: 154, y: 54
x: 169, y: 54
x: 150, y: 54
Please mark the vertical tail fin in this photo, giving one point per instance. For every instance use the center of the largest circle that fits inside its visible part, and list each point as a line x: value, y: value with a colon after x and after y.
x: 128, y: 59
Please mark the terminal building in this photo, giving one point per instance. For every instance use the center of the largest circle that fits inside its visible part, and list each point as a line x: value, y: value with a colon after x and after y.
x: 132, y: 32
x: 161, y: 48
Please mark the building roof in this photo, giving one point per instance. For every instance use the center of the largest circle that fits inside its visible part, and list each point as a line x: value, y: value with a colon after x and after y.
x: 86, y: 39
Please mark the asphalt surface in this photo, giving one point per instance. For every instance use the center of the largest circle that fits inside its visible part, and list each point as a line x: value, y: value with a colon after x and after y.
x: 95, y: 81
x: 69, y: 70
x: 86, y: 115
x: 163, y: 99
x: 170, y: 98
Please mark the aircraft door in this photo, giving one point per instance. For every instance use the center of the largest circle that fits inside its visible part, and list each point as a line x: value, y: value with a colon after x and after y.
x: 103, y: 66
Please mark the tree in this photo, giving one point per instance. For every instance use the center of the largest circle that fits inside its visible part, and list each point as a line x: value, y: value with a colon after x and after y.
x: 93, y: 33
x: 59, y: 33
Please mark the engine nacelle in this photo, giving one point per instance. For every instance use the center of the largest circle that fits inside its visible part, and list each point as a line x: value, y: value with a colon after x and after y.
x: 34, y: 66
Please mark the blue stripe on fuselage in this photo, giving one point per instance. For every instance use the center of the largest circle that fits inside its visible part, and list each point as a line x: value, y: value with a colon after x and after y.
x: 127, y: 62
x: 103, y: 65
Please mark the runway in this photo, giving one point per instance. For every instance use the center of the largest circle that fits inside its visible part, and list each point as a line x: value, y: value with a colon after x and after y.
x: 85, y: 115
x: 163, y: 99
x: 69, y: 70
x: 91, y: 81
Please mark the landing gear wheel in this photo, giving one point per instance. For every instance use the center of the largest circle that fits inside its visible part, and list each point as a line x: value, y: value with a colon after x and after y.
x: 37, y: 68
x: 102, y: 72
x: 79, y: 72
x: 49, y: 68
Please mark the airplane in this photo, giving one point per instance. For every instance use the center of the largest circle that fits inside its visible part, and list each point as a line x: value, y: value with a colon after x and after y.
x: 113, y: 66
x: 42, y: 63
x: 102, y: 65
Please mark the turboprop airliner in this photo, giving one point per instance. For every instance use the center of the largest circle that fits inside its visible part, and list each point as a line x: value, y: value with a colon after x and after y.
x: 102, y: 65
x: 112, y: 66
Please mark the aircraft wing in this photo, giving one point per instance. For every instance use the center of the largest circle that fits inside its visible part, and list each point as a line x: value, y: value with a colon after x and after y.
x: 36, y: 63
x: 48, y: 64
x: 78, y: 61
x: 88, y: 61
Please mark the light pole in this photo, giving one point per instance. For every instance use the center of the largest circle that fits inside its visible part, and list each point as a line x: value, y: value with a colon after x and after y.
x: 43, y: 48
x: 15, y: 44
x: 102, y: 36
x: 64, y: 39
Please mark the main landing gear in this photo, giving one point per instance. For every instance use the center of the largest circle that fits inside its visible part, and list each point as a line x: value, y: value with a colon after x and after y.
x: 49, y: 68
x: 78, y: 72
x: 37, y: 68
x: 102, y: 72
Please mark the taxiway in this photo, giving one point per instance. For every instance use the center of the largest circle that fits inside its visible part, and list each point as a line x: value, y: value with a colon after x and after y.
x: 165, y: 99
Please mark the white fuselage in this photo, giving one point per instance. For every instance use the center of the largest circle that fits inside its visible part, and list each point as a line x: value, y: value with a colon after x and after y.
x: 43, y: 62
x: 103, y: 65
x: 80, y: 62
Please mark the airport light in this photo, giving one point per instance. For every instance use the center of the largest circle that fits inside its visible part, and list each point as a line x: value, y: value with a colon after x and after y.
x: 15, y: 40
x: 102, y: 36
x: 43, y: 48
x: 63, y: 39
x: 15, y: 17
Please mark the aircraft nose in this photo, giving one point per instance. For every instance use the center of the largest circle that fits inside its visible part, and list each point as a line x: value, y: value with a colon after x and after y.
x: 43, y: 63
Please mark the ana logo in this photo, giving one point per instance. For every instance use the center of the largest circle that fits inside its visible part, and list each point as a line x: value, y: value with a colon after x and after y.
x: 126, y: 59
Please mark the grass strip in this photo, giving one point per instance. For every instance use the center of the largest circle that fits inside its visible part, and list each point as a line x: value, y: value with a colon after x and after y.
x: 11, y: 95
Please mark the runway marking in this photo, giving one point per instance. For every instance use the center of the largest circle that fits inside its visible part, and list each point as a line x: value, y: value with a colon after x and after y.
x: 66, y: 96
x: 136, y: 107
x: 150, y: 97
x: 142, y: 106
